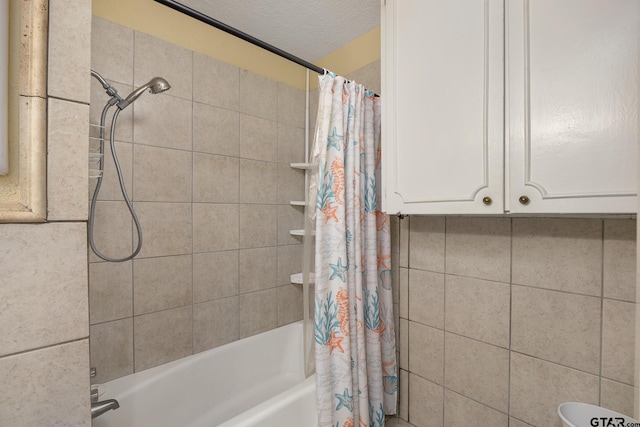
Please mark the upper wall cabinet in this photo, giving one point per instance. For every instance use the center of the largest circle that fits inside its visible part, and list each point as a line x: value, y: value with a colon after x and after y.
x: 550, y: 128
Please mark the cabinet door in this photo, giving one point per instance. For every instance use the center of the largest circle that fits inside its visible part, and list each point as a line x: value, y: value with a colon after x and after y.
x: 572, y: 105
x: 443, y: 95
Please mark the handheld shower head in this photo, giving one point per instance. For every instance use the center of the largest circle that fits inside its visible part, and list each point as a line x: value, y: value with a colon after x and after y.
x: 155, y: 85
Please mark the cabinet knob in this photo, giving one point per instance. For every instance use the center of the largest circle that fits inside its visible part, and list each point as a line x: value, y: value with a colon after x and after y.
x: 487, y: 200
x: 524, y: 200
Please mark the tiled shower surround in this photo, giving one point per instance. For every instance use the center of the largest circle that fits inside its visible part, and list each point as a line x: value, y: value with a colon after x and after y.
x: 503, y: 319
x: 207, y: 167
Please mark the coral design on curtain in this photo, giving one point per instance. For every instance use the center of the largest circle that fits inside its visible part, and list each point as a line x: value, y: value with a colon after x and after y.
x: 356, y: 371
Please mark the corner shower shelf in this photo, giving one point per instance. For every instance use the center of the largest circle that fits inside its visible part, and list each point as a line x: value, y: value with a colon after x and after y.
x: 297, y: 203
x: 305, y: 166
x: 296, y: 278
x: 298, y: 232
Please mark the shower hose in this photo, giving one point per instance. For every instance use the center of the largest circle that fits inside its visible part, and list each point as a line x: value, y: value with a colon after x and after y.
x: 94, y: 198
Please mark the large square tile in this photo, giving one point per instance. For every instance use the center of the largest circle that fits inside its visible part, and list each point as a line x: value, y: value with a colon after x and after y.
x: 215, y: 323
x: 215, y: 82
x: 538, y: 387
x: 618, y: 340
x: 111, y: 349
x: 477, y: 370
x: 560, y: 254
x: 258, y: 138
x: 162, y: 337
x: 620, y: 259
x: 426, y: 243
x: 478, y: 309
x: 215, y: 178
x: 161, y: 175
x: 216, y: 227
x: 426, y: 298
x: 161, y: 283
x: 426, y: 352
x: 258, y: 312
x: 557, y: 326
x: 166, y: 228
x: 425, y: 402
x: 110, y: 291
x: 215, y: 275
x: 215, y: 130
x: 461, y: 411
x: 479, y: 247
x: 258, y: 269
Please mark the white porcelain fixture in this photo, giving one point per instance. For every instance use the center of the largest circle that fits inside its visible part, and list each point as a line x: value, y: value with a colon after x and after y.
x: 256, y: 381
x: 576, y: 414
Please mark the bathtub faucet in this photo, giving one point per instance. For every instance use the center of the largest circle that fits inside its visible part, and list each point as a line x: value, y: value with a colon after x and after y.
x: 99, y: 408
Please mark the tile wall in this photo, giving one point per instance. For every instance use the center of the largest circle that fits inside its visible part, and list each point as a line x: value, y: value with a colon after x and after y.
x: 207, y: 167
x: 503, y: 319
x: 44, y: 346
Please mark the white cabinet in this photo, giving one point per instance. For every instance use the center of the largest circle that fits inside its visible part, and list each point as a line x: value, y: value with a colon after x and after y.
x: 518, y: 106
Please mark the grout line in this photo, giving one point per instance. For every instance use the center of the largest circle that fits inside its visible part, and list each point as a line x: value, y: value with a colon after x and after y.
x: 601, y: 312
x: 510, y: 316
x: 444, y: 320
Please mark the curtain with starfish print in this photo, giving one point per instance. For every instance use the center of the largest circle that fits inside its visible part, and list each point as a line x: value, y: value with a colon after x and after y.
x: 356, y: 370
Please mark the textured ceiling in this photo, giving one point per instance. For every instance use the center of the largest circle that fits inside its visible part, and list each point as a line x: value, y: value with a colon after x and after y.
x: 305, y: 28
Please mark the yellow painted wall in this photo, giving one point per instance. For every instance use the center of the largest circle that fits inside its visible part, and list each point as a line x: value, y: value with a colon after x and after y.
x: 167, y: 24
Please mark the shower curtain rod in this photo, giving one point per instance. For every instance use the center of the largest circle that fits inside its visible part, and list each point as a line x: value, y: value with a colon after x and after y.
x: 235, y: 32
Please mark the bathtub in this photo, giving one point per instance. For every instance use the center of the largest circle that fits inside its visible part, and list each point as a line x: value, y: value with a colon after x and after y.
x: 256, y: 381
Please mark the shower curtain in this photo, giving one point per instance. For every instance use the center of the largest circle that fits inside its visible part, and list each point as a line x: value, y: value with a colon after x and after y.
x: 355, y: 348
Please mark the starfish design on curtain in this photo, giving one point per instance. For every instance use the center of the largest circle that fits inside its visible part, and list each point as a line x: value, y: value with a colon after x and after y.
x: 338, y: 270
x: 334, y: 139
x: 345, y: 400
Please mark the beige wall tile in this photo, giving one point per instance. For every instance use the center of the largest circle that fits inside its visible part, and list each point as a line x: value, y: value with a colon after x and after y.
x: 289, y: 262
x: 291, y: 105
x: 258, y: 96
x: 560, y: 254
x: 258, y: 181
x: 426, y: 352
x: 620, y: 259
x: 216, y: 227
x: 43, y: 285
x: 112, y: 50
x: 161, y: 283
x: 215, y: 275
x: 163, y: 120
x: 162, y: 337
x: 215, y: 82
x: 394, y: 229
x: 403, y: 344
x: 259, y: 312
x: 426, y: 298
x: 215, y: 130
x: 215, y: 323
x: 112, y: 230
x: 166, y: 228
x: 426, y: 243
x: 538, y: 387
x: 46, y: 387
x: 110, y: 187
x: 110, y: 291
x: 216, y: 179
x: 161, y: 175
x: 289, y: 218
x: 460, y: 411
x: 154, y: 57
x: 618, y: 337
x: 290, y: 184
x: 290, y: 144
x: 258, y: 138
x: 477, y: 370
x: 258, y: 226
x: 290, y: 307
x: 69, y: 49
x: 425, y: 402
x: 403, y: 242
x: 404, y: 293
x: 478, y: 309
x: 403, y: 395
x: 617, y: 396
x: 67, y: 160
x: 479, y: 247
x: 258, y: 269
x: 556, y: 326
x: 112, y: 349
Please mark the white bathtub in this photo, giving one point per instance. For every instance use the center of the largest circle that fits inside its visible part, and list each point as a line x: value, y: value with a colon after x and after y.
x: 257, y: 381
